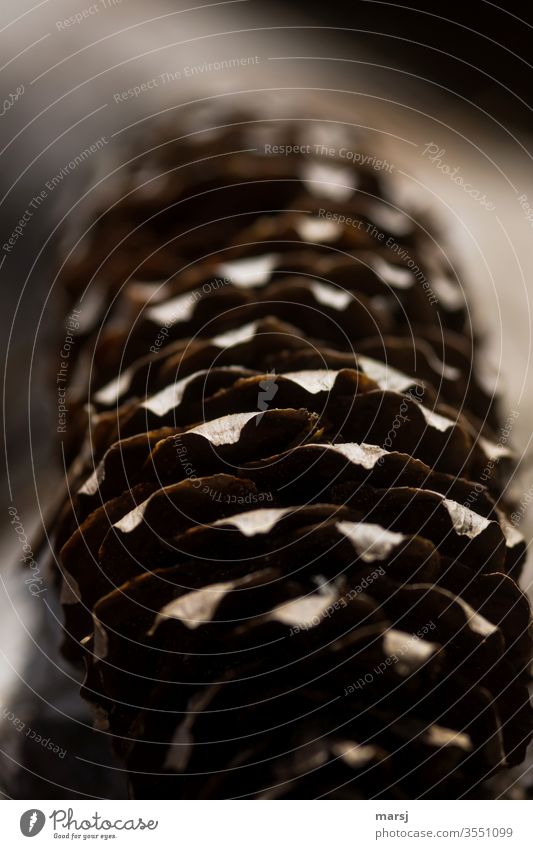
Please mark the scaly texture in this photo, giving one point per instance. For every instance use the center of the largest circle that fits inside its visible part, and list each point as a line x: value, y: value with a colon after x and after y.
x: 285, y: 556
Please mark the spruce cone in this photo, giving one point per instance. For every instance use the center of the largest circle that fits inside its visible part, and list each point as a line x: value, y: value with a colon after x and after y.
x: 285, y: 557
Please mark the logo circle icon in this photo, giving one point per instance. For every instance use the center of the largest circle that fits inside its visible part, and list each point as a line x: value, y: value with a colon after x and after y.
x: 32, y: 822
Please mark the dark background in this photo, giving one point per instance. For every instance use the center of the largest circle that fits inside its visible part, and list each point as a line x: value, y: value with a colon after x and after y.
x: 476, y: 48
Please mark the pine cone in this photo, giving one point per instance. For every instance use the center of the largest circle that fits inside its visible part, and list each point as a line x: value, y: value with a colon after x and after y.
x: 286, y: 558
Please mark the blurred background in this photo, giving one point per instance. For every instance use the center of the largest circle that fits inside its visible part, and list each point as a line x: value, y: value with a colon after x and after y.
x: 417, y: 78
